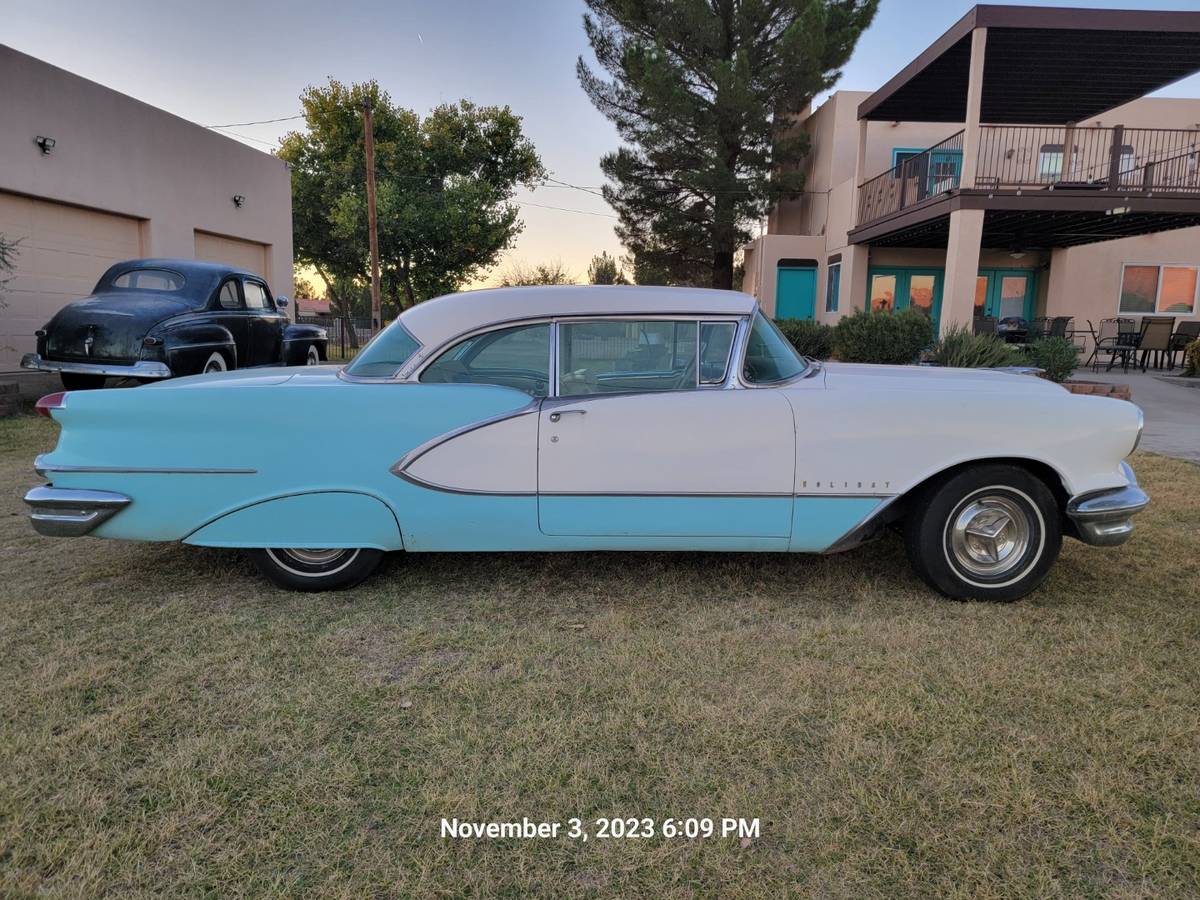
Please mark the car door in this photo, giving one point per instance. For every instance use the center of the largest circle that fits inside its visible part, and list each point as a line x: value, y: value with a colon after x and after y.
x: 230, y: 312
x: 648, y: 437
x: 266, y: 324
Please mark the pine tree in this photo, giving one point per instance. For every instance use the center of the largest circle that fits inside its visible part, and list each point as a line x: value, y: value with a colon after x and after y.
x: 703, y: 93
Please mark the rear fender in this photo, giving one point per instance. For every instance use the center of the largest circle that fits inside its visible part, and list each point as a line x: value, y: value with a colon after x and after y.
x: 321, y: 519
x: 298, y: 338
x: 188, y: 347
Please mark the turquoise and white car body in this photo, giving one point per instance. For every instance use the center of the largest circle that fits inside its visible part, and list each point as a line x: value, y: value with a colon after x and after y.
x: 373, y: 456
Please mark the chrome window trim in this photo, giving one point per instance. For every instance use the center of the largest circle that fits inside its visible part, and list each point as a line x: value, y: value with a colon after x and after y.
x: 398, y: 375
x: 809, y: 367
x: 728, y: 354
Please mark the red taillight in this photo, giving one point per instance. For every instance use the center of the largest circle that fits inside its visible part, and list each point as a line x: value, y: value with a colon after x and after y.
x: 49, y: 402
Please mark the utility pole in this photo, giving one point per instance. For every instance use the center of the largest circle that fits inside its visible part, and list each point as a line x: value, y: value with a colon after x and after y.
x: 369, y: 136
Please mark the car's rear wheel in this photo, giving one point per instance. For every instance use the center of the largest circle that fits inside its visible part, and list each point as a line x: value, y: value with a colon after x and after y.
x: 215, y: 363
x: 314, y: 357
x: 989, y: 532
x: 77, y: 381
x: 315, y: 569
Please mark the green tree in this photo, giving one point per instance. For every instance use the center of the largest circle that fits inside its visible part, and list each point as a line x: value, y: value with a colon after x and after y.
x: 444, y: 186
x: 703, y: 93
x: 519, y: 274
x: 606, y: 269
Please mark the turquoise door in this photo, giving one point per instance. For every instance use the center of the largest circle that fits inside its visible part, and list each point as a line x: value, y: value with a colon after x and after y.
x: 901, y: 287
x: 795, y: 293
x: 1006, y: 293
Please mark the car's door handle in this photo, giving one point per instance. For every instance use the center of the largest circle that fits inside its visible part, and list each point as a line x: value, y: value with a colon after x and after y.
x: 555, y: 416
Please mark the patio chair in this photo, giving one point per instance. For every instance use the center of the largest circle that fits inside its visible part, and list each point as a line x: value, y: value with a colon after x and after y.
x: 1059, y: 326
x: 985, y: 324
x: 1118, y: 338
x: 1038, y: 328
x: 1184, y: 334
x: 1155, y: 338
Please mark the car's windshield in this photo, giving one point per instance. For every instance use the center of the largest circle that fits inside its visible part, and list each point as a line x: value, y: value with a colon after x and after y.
x: 149, y: 280
x: 383, y: 357
x: 770, y: 357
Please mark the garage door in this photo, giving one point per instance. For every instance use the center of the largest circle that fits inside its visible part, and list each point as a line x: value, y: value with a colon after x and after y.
x: 240, y: 254
x: 63, y: 252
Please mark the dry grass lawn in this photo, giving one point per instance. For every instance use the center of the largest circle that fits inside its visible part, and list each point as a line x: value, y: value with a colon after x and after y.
x: 172, y: 724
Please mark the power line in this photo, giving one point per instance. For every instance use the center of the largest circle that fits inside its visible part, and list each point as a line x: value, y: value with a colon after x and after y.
x: 584, y: 212
x: 272, y: 144
x: 259, y: 122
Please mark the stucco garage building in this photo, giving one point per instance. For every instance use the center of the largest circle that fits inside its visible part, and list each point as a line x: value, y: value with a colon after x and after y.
x: 121, y: 180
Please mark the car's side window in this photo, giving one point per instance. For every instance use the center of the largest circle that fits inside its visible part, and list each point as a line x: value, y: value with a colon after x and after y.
x: 256, y: 295
x: 228, y: 297
x: 625, y: 355
x: 716, y: 342
x: 513, y: 357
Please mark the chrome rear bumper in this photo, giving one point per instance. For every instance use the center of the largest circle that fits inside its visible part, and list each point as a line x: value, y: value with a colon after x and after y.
x: 71, y: 512
x: 143, y: 368
x: 1105, y: 519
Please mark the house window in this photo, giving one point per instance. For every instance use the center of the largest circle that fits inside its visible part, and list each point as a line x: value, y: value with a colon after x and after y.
x: 901, y: 155
x: 1158, y: 289
x: 833, y: 284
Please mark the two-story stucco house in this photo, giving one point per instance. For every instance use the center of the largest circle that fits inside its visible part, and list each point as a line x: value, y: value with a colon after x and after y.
x: 90, y: 177
x: 1014, y: 168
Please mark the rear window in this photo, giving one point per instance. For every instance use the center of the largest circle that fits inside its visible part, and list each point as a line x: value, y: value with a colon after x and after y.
x: 383, y: 357
x: 149, y: 280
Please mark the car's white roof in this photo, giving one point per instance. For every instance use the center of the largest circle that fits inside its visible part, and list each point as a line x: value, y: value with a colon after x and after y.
x: 442, y: 318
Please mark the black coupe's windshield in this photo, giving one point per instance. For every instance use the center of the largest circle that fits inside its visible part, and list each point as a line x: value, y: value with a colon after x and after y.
x: 383, y: 357
x: 770, y: 357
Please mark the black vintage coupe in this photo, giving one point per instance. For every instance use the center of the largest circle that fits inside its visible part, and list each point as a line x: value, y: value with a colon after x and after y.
x: 157, y: 318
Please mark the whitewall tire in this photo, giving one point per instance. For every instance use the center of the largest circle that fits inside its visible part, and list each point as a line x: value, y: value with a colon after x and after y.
x: 215, y: 363
x: 989, y: 532
x: 316, y: 569
x: 314, y: 357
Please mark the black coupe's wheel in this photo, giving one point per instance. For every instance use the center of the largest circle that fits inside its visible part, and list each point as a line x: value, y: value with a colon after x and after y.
x: 313, y: 358
x: 988, y: 533
x: 75, y: 381
x: 313, y: 569
x: 215, y: 363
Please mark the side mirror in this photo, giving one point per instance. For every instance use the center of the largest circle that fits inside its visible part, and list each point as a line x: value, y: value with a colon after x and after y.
x: 281, y: 302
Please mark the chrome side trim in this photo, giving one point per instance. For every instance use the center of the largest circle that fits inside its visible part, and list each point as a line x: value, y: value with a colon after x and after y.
x: 71, y: 512
x: 1105, y: 518
x: 867, y: 529
x: 446, y: 489
x: 43, y: 468
x: 398, y: 467
x: 141, y: 369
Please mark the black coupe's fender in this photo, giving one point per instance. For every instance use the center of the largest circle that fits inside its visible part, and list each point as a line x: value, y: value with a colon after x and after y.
x: 189, y: 345
x: 298, y: 338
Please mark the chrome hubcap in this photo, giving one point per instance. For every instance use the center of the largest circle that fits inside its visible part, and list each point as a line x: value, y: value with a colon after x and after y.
x: 989, y: 536
x: 314, y: 557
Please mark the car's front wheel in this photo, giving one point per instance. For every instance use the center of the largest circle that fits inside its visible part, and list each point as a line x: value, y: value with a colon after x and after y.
x: 312, y: 569
x: 989, y: 532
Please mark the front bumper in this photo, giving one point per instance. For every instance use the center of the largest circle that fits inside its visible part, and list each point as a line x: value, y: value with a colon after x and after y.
x: 1105, y: 518
x: 143, y: 368
x: 71, y: 512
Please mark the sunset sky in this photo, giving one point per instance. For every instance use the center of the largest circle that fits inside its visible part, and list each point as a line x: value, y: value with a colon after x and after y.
x: 224, y: 62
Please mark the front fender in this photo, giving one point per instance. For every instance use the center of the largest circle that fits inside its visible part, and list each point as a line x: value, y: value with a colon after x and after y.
x: 322, y: 519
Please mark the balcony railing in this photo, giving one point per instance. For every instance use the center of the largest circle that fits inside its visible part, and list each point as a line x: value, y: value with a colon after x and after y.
x: 1081, y: 159
x: 915, y: 178
x: 1033, y: 157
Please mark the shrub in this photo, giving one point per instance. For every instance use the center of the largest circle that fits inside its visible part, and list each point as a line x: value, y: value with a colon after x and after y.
x: 880, y: 336
x: 813, y: 339
x: 1191, y: 360
x: 1057, y: 356
x: 961, y: 348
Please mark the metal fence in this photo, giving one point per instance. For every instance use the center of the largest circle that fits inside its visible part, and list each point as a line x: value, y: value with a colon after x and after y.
x: 347, y: 334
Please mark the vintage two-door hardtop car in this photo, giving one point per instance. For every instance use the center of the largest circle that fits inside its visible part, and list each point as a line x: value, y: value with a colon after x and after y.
x: 148, y: 319
x: 596, y: 418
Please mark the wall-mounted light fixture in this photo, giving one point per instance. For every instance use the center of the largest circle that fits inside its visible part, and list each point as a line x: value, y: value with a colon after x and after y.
x: 238, y: 200
x: 45, y: 143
